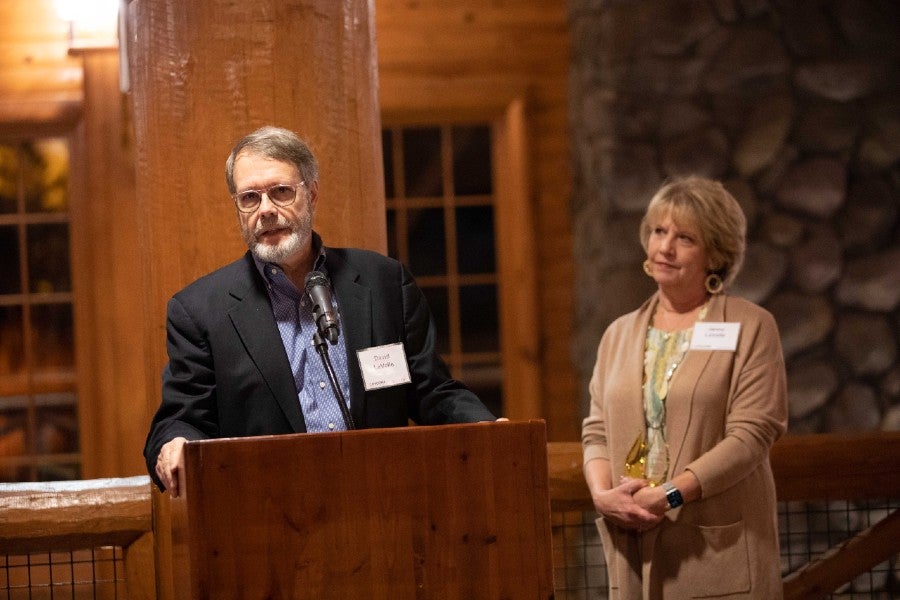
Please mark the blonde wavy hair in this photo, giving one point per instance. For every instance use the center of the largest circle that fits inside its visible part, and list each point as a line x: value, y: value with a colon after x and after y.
x: 706, y: 204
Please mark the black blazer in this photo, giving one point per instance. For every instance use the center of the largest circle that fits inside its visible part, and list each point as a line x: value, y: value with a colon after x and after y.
x: 228, y: 374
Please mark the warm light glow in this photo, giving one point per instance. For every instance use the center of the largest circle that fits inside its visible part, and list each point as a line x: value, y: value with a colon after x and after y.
x: 88, y: 12
x: 92, y: 23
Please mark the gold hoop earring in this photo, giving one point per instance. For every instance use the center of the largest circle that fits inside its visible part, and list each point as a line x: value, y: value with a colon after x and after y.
x: 714, y: 283
x: 647, y: 268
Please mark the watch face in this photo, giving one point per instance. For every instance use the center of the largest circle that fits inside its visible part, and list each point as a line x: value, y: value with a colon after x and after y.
x: 673, y: 496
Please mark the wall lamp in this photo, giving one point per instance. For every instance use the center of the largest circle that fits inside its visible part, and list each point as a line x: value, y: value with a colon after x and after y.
x: 97, y: 25
x: 92, y: 23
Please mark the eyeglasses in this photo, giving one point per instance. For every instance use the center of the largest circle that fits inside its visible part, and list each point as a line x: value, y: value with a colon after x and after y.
x: 281, y: 194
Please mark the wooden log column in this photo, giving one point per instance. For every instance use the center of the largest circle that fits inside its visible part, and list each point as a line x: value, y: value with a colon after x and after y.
x: 206, y: 72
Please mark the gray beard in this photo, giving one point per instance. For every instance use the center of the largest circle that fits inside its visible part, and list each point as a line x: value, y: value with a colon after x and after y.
x: 280, y: 253
x: 301, y: 232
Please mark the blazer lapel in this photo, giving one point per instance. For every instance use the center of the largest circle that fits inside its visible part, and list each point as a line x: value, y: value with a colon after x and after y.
x: 252, y: 318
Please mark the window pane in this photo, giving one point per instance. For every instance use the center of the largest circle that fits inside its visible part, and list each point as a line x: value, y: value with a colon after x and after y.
x: 440, y: 310
x: 427, y: 242
x: 12, y: 359
x: 36, y: 330
x: 46, y: 176
x: 9, y: 178
x: 57, y: 424
x: 53, y: 340
x: 419, y: 239
x: 475, y: 239
x: 12, y: 440
x: 10, y: 281
x: 422, y: 162
x: 479, y: 318
x: 387, y: 147
x: 48, y: 258
x: 472, y: 160
x: 393, y: 249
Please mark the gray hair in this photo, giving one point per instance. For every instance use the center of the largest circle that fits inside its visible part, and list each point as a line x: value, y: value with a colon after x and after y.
x: 278, y: 144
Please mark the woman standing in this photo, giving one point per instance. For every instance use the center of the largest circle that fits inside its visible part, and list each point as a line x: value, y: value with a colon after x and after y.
x: 688, y: 395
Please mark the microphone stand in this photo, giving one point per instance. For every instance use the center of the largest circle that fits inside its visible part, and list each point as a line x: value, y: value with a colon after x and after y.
x: 322, y: 349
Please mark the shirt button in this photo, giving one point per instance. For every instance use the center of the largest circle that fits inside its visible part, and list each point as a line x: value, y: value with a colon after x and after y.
x: 274, y: 271
x: 331, y: 426
x: 321, y: 385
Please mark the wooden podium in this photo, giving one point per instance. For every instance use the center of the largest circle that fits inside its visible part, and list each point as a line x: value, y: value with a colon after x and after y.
x: 446, y: 512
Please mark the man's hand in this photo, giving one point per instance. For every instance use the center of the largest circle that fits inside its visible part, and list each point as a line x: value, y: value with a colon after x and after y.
x: 168, y: 464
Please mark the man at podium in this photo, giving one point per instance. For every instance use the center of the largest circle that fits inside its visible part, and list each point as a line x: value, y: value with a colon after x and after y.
x: 294, y: 336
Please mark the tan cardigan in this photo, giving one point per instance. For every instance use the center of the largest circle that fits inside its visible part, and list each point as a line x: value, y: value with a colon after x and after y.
x: 723, y: 413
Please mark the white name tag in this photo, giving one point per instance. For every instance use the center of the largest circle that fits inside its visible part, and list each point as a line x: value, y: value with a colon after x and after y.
x: 383, y: 366
x: 715, y: 336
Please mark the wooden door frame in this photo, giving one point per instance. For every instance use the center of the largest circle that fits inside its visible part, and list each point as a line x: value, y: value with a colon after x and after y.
x: 501, y: 102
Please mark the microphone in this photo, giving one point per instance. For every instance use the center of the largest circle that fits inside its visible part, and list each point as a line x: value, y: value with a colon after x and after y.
x: 319, y: 289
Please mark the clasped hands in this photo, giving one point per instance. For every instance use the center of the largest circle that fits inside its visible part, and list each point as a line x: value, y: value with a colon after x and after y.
x: 633, y: 504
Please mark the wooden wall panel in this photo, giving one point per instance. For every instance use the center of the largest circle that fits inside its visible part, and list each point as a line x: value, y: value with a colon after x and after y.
x: 107, y: 278
x: 552, y: 180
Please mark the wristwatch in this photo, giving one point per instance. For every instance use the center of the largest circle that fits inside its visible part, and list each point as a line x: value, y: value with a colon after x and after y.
x: 673, y: 496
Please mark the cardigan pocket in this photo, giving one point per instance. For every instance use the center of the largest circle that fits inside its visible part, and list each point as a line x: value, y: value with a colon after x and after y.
x: 715, y: 559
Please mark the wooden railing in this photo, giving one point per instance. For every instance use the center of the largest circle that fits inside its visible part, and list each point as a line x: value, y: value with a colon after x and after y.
x: 82, y: 515
x: 70, y: 515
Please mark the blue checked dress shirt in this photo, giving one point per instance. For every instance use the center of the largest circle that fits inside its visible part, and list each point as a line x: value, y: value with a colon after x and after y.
x: 293, y: 314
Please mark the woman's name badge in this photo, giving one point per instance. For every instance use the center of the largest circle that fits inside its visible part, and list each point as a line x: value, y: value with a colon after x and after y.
x: 383, y: 366
x: 715, y: 336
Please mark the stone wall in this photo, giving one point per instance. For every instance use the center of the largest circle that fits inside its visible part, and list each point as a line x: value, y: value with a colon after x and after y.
x: 795, y: 106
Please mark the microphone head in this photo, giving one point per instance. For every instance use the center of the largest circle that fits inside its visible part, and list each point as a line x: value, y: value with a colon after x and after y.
x: 319, y: 289
x: 314, y: 278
